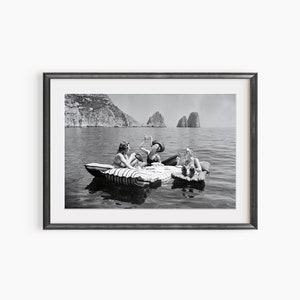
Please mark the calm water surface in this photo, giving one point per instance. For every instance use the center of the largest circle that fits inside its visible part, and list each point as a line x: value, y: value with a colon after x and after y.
x: 99, y: 144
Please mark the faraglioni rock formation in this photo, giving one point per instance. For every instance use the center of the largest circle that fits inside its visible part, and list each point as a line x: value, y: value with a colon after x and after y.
x: 156, y: 120
x: 92, y: 110
x: 193, y: 120
x: 182, y: 122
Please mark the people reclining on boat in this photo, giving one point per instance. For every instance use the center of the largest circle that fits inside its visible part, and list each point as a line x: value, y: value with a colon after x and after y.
x: 190, y: 164
x: 152, y: 154
x: 122, y: 160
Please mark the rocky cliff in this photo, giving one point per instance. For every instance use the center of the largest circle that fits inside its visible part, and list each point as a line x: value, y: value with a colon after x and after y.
x: 193, y: 120
x: 94, y: 110
x: 182, y: 122
x: 156, y: 120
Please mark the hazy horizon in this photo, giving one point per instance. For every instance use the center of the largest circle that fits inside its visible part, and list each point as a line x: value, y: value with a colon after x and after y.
x: 215, y: 110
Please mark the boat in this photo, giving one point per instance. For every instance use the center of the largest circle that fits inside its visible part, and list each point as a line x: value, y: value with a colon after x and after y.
x: 148, y: 176
x: 171, y: 161
x: 197, y: 180
x: 133, y: 177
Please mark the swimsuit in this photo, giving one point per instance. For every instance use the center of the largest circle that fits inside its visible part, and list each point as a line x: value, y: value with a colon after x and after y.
x: 118, y: 163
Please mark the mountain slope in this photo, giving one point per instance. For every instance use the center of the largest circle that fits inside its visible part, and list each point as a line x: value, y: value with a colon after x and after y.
x: 95, y: 110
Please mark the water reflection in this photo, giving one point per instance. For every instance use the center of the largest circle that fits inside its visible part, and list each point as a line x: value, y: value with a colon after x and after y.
x: 112, y: 191
x: 188, y: 188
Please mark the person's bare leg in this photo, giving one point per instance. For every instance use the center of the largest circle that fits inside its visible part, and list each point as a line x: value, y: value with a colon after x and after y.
x: 131, y: 157
x: 134, y: 162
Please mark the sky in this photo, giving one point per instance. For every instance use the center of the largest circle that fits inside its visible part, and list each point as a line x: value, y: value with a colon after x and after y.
x: 215, y: 110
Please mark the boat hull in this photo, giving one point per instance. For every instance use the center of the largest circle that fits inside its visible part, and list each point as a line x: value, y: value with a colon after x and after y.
x: 151, y: 175
x: 133, y: 177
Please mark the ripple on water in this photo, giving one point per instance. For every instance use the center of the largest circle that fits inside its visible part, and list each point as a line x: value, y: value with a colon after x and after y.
x: 85, y: 145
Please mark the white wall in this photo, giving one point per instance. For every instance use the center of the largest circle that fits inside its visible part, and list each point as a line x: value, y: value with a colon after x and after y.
x: 44, y: 36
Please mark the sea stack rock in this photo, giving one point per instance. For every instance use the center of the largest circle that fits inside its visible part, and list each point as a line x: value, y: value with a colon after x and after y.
x: 182, y: 122
x: 193, y: 120
x: 156, y: 120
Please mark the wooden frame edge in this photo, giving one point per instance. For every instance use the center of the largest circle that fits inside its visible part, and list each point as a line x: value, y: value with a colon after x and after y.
x: 253, y: 77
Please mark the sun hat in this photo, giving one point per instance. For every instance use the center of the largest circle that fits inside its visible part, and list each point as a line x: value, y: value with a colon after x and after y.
x: 161, y: 145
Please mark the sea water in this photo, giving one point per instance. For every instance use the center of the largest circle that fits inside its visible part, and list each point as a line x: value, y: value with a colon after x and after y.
x: 100, y: 144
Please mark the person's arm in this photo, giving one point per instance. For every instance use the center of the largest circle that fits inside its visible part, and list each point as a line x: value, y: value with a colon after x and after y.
x: 142, y: 144
x: 153, y: 150
x: 151, y: 140
x: 125, y: 162
x: 145, y: 150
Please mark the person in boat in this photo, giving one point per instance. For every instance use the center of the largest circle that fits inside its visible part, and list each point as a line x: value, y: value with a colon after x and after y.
x: 190, y: 164
x: 152, y: 154
x: 122, y: 160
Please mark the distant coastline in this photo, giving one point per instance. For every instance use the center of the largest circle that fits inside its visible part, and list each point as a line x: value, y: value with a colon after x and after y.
x: 102, y: 126
x: 98, y: 110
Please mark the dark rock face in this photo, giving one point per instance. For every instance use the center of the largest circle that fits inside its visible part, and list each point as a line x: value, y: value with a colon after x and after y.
x: 82, y: 110
x: 182, y: 122
x: 193, y: 120
x: 156, y: 120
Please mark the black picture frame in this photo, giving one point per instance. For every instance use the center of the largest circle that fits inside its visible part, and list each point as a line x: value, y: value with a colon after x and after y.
x: 252, y: 77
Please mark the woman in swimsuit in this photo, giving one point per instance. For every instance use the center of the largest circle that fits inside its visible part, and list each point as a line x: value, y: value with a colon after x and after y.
x: 190, y: 163
x: 156, y: 146
x: 122, y: 160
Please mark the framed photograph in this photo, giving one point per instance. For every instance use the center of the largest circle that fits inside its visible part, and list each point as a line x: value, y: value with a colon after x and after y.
x: 150, y: 151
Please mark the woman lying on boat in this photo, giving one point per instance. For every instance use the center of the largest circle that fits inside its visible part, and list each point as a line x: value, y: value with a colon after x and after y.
x: 122, y: 160
x: 190, y: 163
x: 152, y: 154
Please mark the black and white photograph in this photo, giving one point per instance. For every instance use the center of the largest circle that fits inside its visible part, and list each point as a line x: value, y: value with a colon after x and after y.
x: 150, y: 151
